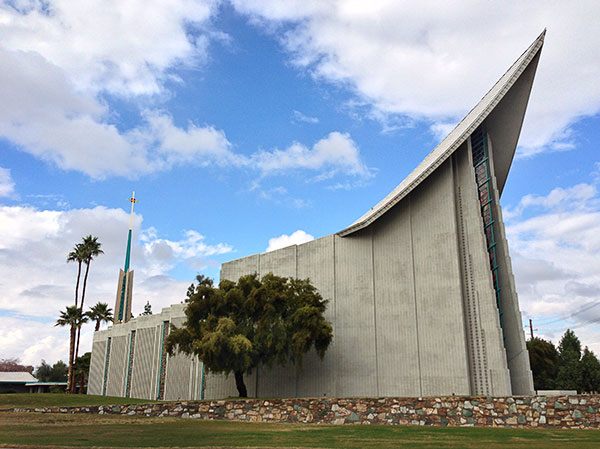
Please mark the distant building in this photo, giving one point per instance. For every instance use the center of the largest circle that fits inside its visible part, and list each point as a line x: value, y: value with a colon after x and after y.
x: 422, y: 294
x: 25, y: 382
x: 14, y: 382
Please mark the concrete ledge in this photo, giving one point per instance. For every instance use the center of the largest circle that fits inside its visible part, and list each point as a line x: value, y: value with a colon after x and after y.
x: 559, y: 412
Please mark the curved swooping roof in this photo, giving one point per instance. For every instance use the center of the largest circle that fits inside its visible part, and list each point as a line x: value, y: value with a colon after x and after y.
x: 485, y: 107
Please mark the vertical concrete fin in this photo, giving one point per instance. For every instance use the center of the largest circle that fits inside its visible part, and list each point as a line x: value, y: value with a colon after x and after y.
x: 517, y: 356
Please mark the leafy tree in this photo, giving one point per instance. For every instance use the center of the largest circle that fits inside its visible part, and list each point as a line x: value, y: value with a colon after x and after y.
x: 54, y: 373
x: 72, y: 317
x: 241, y: 325
x: 100, y: 313
x: 43, y: 372
x: 543, y: 358
x: 59, y: 372
x: 590, y: 372
x: 14, y: 365
x: 569, y: 369
x: 82, y: 369
x: 147, y: 309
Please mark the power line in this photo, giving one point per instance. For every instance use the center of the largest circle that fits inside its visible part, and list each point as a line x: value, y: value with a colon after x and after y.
x: 577, y: 312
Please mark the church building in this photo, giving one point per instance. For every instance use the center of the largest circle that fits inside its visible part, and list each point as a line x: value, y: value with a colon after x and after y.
x: 421, y: 289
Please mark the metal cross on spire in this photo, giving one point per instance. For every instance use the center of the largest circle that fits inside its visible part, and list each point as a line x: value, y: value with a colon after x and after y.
x: 133, y: 201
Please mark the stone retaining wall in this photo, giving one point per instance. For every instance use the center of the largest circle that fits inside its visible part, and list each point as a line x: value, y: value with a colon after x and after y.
x: 570, y: 412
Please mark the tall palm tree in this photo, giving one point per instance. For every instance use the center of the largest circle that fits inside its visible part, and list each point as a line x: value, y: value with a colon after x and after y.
x: 90, y: 248
x: 73, y: 317
x: 77, y: 255
x: 100, y: 313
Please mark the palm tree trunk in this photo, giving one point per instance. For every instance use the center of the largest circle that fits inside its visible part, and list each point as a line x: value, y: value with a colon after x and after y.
x: 97, y: 325
x: 71, y: 353
x: 87, y: 269
x: 77, y: 284
x: 75, y: 359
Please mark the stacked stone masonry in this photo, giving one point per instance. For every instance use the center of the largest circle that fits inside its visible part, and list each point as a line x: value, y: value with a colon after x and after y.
x: 561, y: 412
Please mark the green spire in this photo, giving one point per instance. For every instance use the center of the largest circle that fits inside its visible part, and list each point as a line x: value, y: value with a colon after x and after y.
x: 122, y: 313
x: 128, y: 254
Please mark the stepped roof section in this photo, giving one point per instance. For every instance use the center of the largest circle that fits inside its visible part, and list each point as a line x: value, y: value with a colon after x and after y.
x: 513, y: 87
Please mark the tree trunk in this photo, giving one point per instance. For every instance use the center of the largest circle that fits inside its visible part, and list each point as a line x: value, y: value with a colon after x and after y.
x: 71, y: 353
x: 81, y: 382
x: 239, y: 383
x: 77, y: 284
x: 87, y: 269
x: 74, y: 360
x: 97, y: 325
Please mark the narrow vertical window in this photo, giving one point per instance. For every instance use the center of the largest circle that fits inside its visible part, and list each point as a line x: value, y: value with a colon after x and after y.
x: 482, y: 176
x: 106, y: 359
x: 162, y: 372
x: 129, y: 363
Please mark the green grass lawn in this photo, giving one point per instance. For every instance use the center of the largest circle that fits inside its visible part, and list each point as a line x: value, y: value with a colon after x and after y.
x: 32, y: 400
x: 32, y: 429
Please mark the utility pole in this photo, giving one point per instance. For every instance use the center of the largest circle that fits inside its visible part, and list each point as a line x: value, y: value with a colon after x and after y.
x: 531, y: 328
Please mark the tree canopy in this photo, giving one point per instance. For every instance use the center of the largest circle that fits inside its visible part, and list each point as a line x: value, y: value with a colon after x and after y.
x: 147, y: 309
x: 73, y: 317
x: 566, y: 368
x: 100, y: 313
x: 238, y: 326
x: 14, y: 365
x: 569, y: 355
x: 543, y: 358
x: 81, y: 369
x: 54, y: 373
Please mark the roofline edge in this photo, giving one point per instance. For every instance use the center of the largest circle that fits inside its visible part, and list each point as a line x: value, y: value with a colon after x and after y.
x: 531, y: 52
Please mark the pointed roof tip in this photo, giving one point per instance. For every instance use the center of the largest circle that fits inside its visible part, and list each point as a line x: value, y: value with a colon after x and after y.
x: 452, y: 141
x: 542, y: 35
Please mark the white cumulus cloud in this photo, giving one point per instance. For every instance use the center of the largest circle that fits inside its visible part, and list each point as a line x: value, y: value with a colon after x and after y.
x: 435, y: 61
x: 109, y: 45
x: 554, y: 242
x: 37, y: 282
x: 296, y: 238
x: 335, y: 153
x: 59, y: 58
x: 7, y: 185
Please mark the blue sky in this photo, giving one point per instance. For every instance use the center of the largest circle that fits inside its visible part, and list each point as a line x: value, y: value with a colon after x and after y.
x: 250, y: 125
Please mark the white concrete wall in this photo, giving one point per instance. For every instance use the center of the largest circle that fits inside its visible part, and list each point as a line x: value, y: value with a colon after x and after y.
x: 316, y: 262
x: 97, y: 367
x: 183, y: 376
x: 115, y: 380
x: 143, y: 379
x: 398, y: 361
